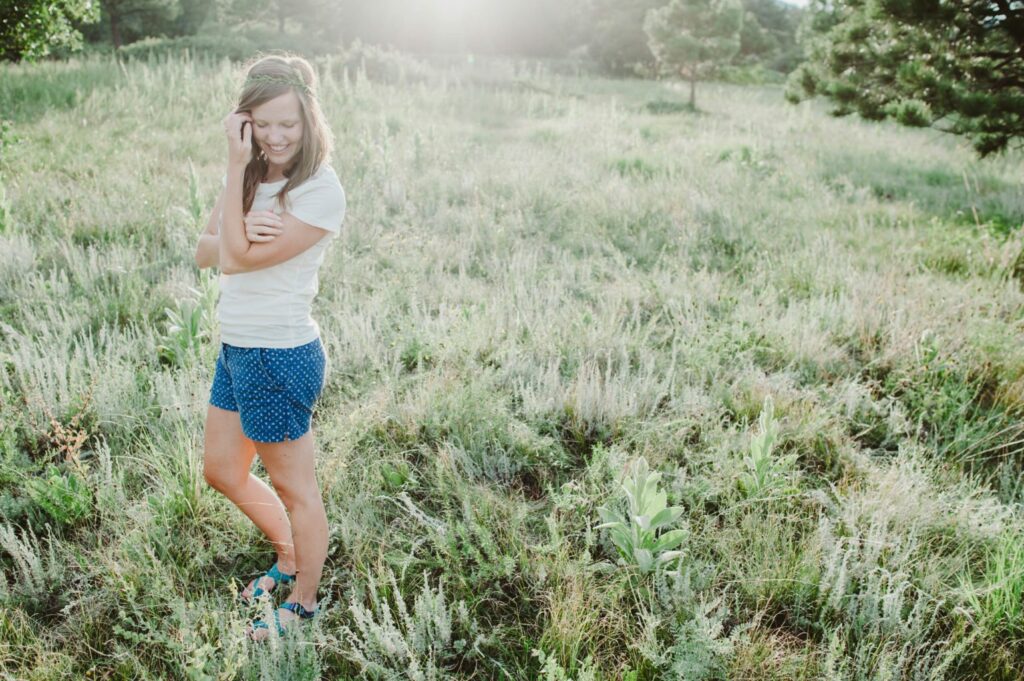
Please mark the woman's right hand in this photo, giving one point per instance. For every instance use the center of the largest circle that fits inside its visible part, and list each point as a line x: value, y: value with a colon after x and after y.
x: 238, y: 128
x: 262, y: 225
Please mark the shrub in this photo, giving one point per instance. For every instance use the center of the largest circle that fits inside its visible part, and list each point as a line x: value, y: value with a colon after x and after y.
x: 222, y: 46
x: 753, y: 74
x: 379, y: 64
x: 693, y: 622
x: 660, y: 107
x: 878, y: 619
x: 392, y: 643
x: 37, y: 575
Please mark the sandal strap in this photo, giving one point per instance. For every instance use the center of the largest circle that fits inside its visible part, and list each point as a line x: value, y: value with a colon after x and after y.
x: 297, y: 608
x: 294, y: 607
x: 275, y: 574
x: 260, y: 624
x: 278, y: 576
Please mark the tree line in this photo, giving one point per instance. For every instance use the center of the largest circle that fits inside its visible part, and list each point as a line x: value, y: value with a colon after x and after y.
x: 958, y: 67
x: 611, y: 32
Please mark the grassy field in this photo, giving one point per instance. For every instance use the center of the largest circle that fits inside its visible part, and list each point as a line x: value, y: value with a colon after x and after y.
x: 799, y: 336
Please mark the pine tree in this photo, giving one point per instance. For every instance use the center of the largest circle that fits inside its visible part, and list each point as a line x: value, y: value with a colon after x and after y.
x: 692, y: 37
x: 769, y: 35
x: 617, y: 40
x: 958, y: 66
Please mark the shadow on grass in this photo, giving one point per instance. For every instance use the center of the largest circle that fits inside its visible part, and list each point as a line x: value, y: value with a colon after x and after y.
x: 664, y: 107
x: 966, y: 197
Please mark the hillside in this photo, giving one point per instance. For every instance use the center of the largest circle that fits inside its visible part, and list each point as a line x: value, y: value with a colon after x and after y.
x: 542, y: 280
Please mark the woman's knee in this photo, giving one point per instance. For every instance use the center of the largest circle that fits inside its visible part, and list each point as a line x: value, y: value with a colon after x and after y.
x: 294, y: 495
x: 290, y: 466
x: 221, y: 479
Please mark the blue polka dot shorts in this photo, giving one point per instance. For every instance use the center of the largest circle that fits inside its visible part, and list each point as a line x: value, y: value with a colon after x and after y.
x: 273, y: 389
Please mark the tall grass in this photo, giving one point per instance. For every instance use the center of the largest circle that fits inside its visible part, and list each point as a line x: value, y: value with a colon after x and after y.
x: 542, y: 280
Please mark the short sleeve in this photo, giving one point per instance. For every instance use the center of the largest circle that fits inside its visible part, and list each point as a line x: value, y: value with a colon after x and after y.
x: 320, y: 201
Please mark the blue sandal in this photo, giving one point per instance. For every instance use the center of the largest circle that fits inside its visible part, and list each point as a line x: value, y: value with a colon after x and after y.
x: 295, y: 607
x: 275, y: 574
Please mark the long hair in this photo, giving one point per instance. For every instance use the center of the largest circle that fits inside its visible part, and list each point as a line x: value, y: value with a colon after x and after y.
x: 267, y: 78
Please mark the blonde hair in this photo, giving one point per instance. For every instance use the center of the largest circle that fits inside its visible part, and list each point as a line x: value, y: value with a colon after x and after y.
x: 267, y: 78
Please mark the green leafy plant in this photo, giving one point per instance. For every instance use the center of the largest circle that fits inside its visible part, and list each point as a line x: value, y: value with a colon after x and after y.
x: 189, y: 324
x: 553, y: 671
x: 396, y: 476
x: 65, y: 497
x: 766, y: 473
x: 638, y: 535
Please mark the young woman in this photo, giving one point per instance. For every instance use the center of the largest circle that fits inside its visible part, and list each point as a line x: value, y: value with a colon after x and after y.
x: 280, y: 208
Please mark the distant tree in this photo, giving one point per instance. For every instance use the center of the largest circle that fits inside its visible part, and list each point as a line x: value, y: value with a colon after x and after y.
x: 311, y: 14
x: 319, y: 17
x: 192, y: 14
x: 692, y: 37
x: 125, y: 21
x: 769, y: 35
x: 616, y: 38
x: 29, y: 29
x: 956, y: 66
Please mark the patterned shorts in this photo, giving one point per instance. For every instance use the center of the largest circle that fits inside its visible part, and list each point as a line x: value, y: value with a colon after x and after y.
x: 273, y: 389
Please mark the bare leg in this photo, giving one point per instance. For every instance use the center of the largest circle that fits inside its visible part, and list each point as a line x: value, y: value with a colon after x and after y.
x: 291, y: 465
x: 226, y: 462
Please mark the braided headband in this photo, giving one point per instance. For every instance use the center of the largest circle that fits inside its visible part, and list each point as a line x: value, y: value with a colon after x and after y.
x: 294, y: 81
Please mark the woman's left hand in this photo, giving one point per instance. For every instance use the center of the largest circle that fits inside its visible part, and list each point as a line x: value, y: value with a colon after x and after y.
x: 238, y: 128
x: 262, y: 225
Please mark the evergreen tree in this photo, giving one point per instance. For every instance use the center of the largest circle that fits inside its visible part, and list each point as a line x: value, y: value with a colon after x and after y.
x: 692, y: 37
x: 769, y: 35
x: 616, y: 35
x: 956, y: 66
x: 30, y: 28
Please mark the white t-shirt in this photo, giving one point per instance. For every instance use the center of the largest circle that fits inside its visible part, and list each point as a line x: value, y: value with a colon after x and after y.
x: 270, y: 308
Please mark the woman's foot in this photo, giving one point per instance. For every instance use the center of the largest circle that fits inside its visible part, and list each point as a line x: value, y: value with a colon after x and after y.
x: 289, y: 612
x: 281, y: 571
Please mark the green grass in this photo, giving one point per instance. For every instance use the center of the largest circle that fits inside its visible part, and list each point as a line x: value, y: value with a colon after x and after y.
x: 541, y: 280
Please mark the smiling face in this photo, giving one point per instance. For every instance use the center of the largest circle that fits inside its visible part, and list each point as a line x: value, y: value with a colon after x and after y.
x: 277, y: 129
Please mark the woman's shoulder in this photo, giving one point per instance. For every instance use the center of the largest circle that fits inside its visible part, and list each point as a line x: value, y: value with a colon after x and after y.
x: 326, y: 174
x: 320, y: 200
x: 323, y: 179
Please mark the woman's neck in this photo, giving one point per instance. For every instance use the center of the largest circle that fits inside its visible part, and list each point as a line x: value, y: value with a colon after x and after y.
x: 274, y: 174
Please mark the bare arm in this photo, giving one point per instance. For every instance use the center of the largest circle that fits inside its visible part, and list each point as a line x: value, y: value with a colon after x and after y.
x: 236, y: 253
x: 296, y: 237
x: 208, y: 249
